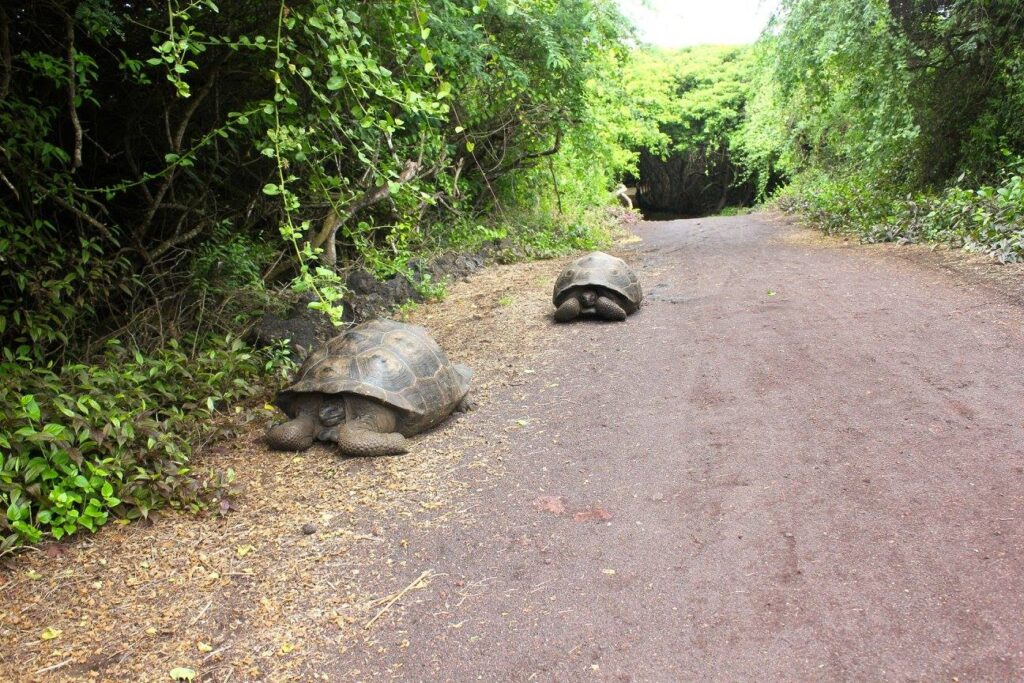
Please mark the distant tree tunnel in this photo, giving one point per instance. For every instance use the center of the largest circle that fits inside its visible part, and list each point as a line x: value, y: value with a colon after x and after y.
x: 698, y: 164
x: 695, y: 183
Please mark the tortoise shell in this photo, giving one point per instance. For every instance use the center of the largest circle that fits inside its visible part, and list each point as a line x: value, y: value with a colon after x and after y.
x: 598, y: 269
x: 397, y: 364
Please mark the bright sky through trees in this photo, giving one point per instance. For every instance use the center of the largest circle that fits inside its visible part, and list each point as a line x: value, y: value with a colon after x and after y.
x: 679, y: 23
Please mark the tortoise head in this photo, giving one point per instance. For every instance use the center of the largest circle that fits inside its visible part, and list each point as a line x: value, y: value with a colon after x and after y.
x: 332, y: 410
x: 588, y: 297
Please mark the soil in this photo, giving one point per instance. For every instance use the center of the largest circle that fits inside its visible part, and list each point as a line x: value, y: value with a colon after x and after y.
x: 800, y: 460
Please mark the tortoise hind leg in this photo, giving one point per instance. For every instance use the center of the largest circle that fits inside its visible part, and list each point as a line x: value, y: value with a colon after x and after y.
x: 355, y: 439
x: 569, y: 309
x: 608, y: 309
x: 294, y: 435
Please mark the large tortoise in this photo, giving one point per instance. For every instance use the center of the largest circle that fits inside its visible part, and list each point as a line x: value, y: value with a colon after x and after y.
x: 369, y: 388
x: 597, y: 283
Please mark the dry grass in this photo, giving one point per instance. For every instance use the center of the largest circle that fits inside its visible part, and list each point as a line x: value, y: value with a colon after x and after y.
x: 250, y: 596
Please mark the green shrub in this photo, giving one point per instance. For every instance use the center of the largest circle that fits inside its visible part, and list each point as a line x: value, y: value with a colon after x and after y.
x: 988, y: 219
x: 836, y: 205
x: 85, y: 442
x: 549, y: 236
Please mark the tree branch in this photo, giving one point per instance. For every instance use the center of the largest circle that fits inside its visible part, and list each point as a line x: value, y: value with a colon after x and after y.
x: 5, y: 53
x: 76, y: 155
x: 180, y: 238
x: 175, y: 142
x: 326, y: 236
x: 526, y: 158
x: 179, y: 135
x: 104, y: 230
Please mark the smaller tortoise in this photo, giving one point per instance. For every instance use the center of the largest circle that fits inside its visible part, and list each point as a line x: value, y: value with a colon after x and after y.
x: 597, y: 283
x: 369, y: 388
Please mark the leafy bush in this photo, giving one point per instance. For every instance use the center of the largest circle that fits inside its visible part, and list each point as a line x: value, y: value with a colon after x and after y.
x: 836, y: 205
x: 548, y: 237
x: 988, y: 219
x: 229, y: 262
x: 83, y: 442
x: 896, y: 121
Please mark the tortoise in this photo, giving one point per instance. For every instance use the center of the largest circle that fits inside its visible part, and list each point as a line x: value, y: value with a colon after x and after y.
x: 369, y: 388
x: 597, y: 283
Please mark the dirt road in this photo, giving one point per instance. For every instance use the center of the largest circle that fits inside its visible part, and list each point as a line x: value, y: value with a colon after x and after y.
x: 795, y: 463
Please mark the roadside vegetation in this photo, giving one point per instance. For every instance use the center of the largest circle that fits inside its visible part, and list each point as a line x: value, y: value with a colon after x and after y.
x: 897, y: 121
x: 697, y: 101
x: 893, y: 121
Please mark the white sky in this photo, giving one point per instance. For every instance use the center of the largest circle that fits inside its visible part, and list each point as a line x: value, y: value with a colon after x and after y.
x: 680, y: 23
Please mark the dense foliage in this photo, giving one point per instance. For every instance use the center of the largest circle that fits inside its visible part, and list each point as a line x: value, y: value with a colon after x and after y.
x: 166, y: 168
x: 141, y: 146
x: 899, y: 120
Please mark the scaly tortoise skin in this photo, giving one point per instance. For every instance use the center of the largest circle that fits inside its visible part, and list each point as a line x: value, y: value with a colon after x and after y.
x: 369, y: 388
x: 597, y: 283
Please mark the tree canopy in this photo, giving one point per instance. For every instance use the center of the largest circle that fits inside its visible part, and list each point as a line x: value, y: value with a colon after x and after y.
x: 896, y: 120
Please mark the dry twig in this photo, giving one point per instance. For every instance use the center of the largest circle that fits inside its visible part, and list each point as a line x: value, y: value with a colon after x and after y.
x: 391, y: 600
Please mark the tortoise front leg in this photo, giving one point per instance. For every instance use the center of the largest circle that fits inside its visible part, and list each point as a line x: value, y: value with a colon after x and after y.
x: 608, y: 309
x: 294, y: 435
x: 358, y: 439
x: 370, y: 429
x: 569, y: 309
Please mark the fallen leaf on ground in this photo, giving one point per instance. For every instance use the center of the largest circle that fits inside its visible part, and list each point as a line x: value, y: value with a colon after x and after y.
x: 553, y: 504
x: 592, y: 515
x: 49, y: 633
x: 53, y: 551
x: 182, y: 674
